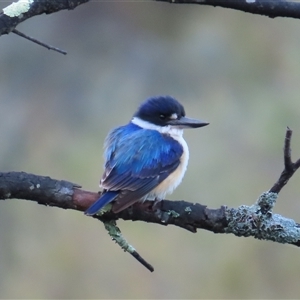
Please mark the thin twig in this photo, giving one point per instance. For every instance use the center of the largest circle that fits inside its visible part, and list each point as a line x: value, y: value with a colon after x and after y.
x: 38, y: 42
x: 289, y: 167
x: 116, y: 235
x: 142, y: 261
x: 288, y: 164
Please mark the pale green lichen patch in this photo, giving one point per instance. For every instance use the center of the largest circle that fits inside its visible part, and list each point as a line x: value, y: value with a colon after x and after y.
x: 266, y: 201
x: 16, y: 9
x: 116, y: 235
x: 104, y: 210
x: 188, y: 209
x: 173, y: 213
x: 258, y: 221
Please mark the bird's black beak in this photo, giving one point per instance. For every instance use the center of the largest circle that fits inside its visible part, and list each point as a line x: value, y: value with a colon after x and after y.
x: 185, y: 122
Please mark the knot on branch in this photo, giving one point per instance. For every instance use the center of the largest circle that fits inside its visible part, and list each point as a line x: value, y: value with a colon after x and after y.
x: 252, y: 220
x: 266, y: 202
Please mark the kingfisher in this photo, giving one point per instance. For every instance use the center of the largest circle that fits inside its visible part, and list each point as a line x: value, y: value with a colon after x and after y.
x: 147, y: 158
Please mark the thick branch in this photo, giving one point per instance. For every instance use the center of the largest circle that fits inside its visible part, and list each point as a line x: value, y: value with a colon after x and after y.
x: 64, y: 194
x: 270, y: 8
x: 256, y: 220
x: 18, y: 12
x: 41, y: 189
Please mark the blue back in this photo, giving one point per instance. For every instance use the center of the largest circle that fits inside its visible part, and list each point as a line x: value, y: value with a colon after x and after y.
x: 139, y: 151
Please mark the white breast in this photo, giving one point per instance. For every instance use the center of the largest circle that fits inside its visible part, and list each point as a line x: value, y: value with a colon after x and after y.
x: 175, y: 178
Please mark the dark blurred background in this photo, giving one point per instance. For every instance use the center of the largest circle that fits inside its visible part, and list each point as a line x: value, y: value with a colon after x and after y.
x: 238, y: 71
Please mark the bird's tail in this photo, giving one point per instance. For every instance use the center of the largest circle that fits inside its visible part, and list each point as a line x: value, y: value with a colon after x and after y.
x: 101, y: 202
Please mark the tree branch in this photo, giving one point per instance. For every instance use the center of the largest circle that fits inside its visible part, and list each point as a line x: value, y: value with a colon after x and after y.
x: 270, y: 8
x: 256, y: 220
x: 19, y: 11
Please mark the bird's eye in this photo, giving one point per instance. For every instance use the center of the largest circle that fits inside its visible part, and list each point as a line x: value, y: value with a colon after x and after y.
x: 162, y: 117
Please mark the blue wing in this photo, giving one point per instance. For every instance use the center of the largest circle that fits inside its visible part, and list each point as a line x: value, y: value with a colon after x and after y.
x: 137, y: 160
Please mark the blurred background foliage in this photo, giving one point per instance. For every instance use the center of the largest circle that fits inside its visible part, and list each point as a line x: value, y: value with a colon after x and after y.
x: 238, y: 71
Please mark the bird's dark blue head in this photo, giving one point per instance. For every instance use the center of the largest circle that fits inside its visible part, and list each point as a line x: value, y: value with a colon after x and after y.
x: 165, y: 111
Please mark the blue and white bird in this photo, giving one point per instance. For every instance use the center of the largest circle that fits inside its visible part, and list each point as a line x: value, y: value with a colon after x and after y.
x: 147, y: 158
